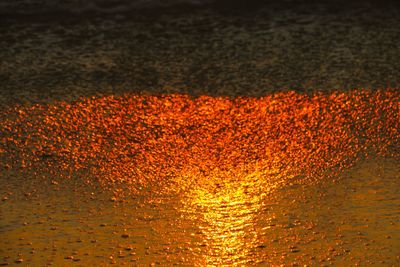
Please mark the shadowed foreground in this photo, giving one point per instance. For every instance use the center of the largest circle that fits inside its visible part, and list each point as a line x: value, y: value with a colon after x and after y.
x: 223, y: 50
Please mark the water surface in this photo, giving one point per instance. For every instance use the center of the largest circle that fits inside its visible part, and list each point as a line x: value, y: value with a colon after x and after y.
x: 287, y: 178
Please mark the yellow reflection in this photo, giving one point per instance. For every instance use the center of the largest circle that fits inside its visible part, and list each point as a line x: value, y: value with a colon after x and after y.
x: 225, y: 206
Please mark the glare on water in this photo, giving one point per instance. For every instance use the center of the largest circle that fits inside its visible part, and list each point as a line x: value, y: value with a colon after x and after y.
x: 286, y: 178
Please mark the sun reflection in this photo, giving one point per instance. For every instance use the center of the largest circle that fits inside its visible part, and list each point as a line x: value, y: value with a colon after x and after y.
x: 136, y: 140
x: 226, y: 211
x: 221, y: 156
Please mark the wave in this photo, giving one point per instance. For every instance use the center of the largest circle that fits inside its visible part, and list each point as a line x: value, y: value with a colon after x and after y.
x: 96, y: 6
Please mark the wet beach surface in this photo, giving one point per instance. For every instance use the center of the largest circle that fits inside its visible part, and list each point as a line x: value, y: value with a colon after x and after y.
x: 345, y: 223
x: 200, y: 135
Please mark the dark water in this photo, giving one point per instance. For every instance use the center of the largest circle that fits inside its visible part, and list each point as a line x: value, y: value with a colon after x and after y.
x: 51, y: 55
x: 77, y: 7
x: 115, y: 6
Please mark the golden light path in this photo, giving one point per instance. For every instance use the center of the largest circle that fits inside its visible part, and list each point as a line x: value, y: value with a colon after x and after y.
x: 229, y: 212
x: 222, y: 156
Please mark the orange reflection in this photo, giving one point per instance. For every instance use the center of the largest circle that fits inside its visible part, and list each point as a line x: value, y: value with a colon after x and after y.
x: 136, y: 140
x: 221, y: 155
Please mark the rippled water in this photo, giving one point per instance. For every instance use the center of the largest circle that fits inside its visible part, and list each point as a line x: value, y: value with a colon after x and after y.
x: 135, y: 179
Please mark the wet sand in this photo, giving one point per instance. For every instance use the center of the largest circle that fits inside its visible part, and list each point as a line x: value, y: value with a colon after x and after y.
x: 352, y: 221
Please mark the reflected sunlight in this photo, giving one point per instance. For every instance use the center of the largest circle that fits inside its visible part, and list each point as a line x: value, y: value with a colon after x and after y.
x: 132, y: 141
x: 219, y: 158
x: 226, y: 210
